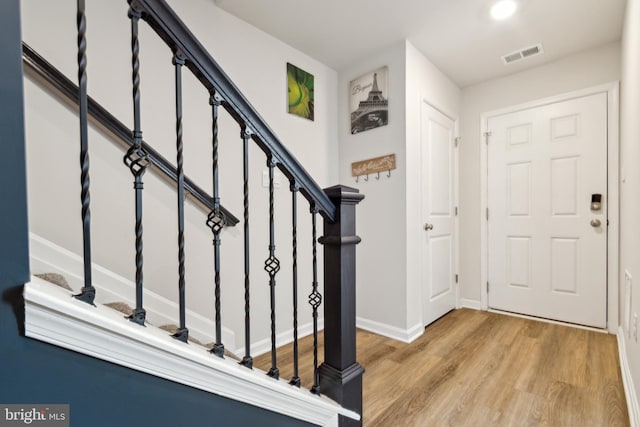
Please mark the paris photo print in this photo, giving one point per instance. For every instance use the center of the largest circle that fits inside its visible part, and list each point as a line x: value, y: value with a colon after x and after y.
x: 368, y: 101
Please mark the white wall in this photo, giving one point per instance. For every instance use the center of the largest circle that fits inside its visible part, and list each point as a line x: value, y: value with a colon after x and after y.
x: 582, y: 70
x: 257, y: 64
x: 630, y: 185
x: 380, y: 270
x: 388, y: 282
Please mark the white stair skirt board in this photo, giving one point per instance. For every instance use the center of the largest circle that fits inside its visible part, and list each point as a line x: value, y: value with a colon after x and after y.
x: 53, y: 316
x: 629, y: 389
x: 283, y: 338
x: 47, y: 257
x: 393, y: 332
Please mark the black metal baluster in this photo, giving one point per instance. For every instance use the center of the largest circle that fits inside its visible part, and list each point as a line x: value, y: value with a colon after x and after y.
x: 88, y: 292
x: 216, y: 221
x: 272, y: 266
x: 247, y: 360
x: 295, y: 380
x: 137, y: 161
x: 315, y: 299
x: 182, y: 333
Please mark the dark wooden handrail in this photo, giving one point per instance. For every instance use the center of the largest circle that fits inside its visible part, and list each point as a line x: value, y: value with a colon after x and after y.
x: 164, y: 21
x: 50, y: 74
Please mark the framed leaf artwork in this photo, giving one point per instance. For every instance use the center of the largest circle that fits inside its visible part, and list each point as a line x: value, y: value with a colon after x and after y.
x: 300, y: 92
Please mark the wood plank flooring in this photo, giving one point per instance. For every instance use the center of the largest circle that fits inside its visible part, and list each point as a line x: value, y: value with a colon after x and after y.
x: 475, y: 368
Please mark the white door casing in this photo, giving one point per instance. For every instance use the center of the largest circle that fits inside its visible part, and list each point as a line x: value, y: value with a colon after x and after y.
x: 547, y: 255
x: 438, y: 195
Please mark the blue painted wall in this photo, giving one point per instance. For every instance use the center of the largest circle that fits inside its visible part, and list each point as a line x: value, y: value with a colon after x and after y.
x: 14, y: 252
x: 100, y: 393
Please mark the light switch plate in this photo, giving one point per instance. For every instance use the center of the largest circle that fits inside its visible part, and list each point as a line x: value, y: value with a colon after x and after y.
x: 277, y: 179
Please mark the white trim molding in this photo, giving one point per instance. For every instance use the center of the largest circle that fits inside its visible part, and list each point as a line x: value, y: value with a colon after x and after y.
x: 470, y: 303
x: 629, y: 390
x: 53, y: 316
x: 393, y: 332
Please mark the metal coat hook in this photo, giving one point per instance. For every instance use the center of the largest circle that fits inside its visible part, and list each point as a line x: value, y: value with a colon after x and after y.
x: 375, y: 166
x: 366, y: 176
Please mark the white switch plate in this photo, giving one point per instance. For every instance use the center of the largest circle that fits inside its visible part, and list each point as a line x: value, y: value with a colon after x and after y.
x: 277, y: 179
x: 626, y: 315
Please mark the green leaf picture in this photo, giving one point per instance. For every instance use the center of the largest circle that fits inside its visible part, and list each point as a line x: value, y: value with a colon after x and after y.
x: 300, y: 92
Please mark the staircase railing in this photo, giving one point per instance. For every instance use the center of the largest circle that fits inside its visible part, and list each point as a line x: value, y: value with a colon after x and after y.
x: 339, y: 376
x: 56, y: 79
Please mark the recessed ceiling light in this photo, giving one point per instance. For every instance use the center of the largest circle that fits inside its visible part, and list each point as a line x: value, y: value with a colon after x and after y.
x: 503, y: 9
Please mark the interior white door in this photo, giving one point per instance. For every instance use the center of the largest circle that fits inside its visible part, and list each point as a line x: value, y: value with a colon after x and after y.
x: 547, y: 242
x: 438, y: 215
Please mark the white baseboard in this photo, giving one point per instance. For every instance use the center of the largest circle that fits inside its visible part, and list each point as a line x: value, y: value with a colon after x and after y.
x: 393, y: 332
x: 52, y: 316
x: 470, y: 303
x: 627, y: 380
x: 47, y: 257
x: 283, y: 338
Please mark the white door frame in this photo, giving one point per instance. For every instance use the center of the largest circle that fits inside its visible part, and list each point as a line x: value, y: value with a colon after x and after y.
x: 613, y: 173
x: 456, y: 130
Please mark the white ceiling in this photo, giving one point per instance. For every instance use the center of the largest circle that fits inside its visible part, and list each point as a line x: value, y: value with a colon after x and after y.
x: 456, y: 35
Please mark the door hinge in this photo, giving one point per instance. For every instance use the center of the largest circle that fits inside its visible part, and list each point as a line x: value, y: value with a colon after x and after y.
x: 456, y: 277
x: 487, y: 286
x: 456, y: 141
x: 456, y: 210
x: 486, y: 137
x: 487, y: 214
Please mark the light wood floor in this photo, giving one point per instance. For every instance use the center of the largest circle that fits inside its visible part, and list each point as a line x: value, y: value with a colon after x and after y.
x: 474, y: 368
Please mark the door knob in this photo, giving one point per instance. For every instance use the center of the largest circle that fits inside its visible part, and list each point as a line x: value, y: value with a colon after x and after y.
x: 595, y: 223
x: 428, y: 227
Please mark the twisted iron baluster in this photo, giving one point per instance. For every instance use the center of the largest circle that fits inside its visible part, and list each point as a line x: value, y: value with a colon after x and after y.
x: 247, y: 360
x: 216, y: 222
x: 137, y: 161
x: 295, y: 380
x: 182, y: 333
x: 272, y: 266
x: 315, y: 299
x: 88, y: 292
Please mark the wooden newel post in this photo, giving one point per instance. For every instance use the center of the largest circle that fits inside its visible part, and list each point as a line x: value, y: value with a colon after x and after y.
x: 340, y: 374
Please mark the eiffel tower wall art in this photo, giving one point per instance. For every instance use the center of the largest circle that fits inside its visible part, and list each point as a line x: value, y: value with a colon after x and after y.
x: 368, y: 101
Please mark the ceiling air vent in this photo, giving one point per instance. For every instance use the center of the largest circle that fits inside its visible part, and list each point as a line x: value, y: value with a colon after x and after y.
x: 523, y: 53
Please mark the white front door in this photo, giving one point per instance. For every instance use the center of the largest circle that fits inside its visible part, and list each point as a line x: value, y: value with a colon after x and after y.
x: 547, y: 240
x: 438, y: 213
